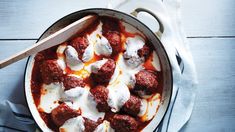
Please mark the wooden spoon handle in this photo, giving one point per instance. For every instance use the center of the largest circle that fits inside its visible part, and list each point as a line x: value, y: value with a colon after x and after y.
x: 56, y: 38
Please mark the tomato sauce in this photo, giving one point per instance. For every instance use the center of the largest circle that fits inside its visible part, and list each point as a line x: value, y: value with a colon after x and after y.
x: 109, y: 24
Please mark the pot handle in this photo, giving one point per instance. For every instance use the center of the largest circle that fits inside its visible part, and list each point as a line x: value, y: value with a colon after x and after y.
x: 161, y: 27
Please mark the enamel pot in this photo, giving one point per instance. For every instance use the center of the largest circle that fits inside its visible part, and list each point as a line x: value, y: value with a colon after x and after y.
x: 131, y: 19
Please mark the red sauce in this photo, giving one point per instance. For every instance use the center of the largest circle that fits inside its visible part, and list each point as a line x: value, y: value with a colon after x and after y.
x: 47, y: 119
x: 94, y: 59
x: 148, y: 63
x: 108, y: 24
x: 36, y: 84
x: 129, y: 34
x: 36, y: 80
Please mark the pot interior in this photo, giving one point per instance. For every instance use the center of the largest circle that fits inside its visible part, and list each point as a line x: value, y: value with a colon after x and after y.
x: 165, y: 64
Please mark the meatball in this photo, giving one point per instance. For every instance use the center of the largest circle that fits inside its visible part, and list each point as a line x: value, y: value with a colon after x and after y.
x: 80, y: 44
x: 72, y: 82
x: 146, y: 82
x: 48, y: 54
x: 62, y: 113
x: 100, y: 94
x: 90, y: 125
x: 144, y: 51
x: 132, y: 106
x: 105, y: 73
x: 51, y: 72
x: 114, y: 39
x: 123, y: 123
x: 39, y: 57
x: 110, y: 24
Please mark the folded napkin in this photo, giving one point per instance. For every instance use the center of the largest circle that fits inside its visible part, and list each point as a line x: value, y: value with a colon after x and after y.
x: 16, y: 117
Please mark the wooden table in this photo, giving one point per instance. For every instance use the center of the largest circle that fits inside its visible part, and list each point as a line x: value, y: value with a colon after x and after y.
x: 210, y: 29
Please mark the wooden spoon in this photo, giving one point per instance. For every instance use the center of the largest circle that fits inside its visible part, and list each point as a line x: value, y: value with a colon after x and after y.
x: 54, y: 39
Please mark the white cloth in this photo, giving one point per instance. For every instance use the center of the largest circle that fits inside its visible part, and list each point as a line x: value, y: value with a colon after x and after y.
x: 15, y: 117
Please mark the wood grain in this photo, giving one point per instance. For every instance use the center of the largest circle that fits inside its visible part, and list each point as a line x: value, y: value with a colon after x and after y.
x: 12, y: 77
x: 208, y: 17
x: 29, y: 19
x: 54, y: 39
x: 215, y: 64
x: 214, y: 106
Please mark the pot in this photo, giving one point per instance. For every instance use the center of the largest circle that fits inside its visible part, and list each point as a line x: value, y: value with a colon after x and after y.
x: 130, y: 19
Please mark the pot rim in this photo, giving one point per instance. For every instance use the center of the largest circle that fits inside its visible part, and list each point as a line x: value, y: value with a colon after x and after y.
x: 116, y: 11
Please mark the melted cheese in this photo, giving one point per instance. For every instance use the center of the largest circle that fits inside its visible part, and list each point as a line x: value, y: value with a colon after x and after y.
x: 87, y: 105
x: 127, y: 75
x: 122, y: 79
x: 100, y: 43
x: 60, y: 53
x: 143, y: 107
x: 50, y: 94
x: 115, y: 76
x: 149, y: 107
x: 104, y: 127
x: 92, y: 38
x: 74, y: 92
x: 94, y: 67
x: 88, y: 53
x: 118, y: 95
x: 60, y: 50
x: 75, y: 124
x: 156, y: 62
x: 72, y: 60
x: 103, y: 47
x: 131, y: 54
x: 61, y: 63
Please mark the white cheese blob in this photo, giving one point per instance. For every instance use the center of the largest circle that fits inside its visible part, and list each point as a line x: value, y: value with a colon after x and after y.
x: 72, y: 60
x: 61, y: 63
x: 75, y: 124
x: 70, y: 104
x: 60, y: 50
x: 74, y: 92
x: 88, y: 53
x: 118, y: 95
x: 94, y: 36
x: 149, y: 111
x: 50, y: 94
x: 131, y: 54
x: 87, y: 105
x: 100, y: 43
x: 115, y: 75
x: 103, y: 47
x: 94, y: 67
x: 104, y: 127
x: 156, y: 62
x: 143, y: 107
x: 127, y: 75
